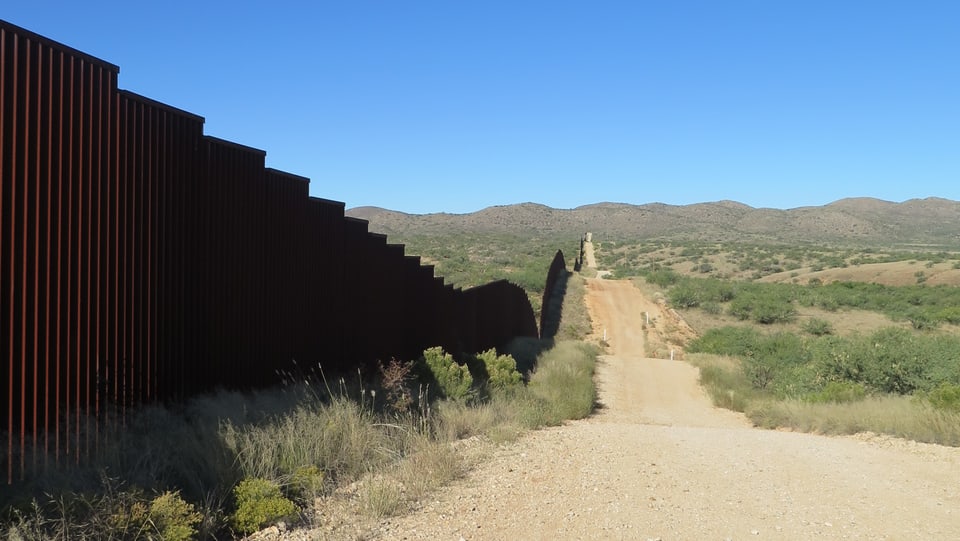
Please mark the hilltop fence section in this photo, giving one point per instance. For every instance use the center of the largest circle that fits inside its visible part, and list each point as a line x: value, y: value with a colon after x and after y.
x: 141, y: 260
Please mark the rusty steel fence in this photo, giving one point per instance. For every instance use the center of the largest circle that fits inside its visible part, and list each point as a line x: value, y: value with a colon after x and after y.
x: 142, y: 260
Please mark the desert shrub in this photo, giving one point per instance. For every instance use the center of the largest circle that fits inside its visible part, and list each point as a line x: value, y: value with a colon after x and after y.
x: 945, y: 397
x: 890, y: 360
x: 501, y: 370
x: 691, y: 292
x: 925, y: 307
x: 921, y: 320
x: 839, y: 392
x: 763, y: 307
x: 395, y: 379
x: 686, y: 294
x: 769, y: 312
x: 259, y: 503
x: 817, y: 327
x: 173, y: 518
x: 661, y: 277
x: 306, y: 483
x: 453, y: 379
x: 729, y: 340
x: 894, y: 361
x: 712, y: 308
x: 777, y: 362
x: 950, y: 314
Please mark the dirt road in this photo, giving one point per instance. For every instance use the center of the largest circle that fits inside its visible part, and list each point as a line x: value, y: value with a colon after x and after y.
x: 659, y: 462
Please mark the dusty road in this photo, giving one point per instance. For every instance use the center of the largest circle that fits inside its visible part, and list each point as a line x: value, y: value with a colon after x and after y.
x: 659, y: 462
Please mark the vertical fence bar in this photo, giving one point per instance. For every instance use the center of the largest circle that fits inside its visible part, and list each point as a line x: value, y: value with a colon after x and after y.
x: 6, y: 414
x: 16, y: 286
x: 7, y: 221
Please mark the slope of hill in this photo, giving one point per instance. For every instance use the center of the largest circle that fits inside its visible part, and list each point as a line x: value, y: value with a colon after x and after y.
x: 859, y: 221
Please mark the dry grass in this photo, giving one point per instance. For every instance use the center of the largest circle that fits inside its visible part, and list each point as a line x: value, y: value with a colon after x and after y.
x: 380, y: 497
x: 899, y: 416
x: 431, y: 466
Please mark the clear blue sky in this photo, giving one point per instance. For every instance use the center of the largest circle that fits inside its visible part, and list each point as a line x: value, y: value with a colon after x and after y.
x: 453, y: 106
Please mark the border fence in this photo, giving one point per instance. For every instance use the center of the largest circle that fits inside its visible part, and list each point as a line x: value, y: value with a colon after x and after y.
x: 142, y: 260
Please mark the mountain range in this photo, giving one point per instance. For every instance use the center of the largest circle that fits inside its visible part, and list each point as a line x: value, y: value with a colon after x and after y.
x: 932, y: 222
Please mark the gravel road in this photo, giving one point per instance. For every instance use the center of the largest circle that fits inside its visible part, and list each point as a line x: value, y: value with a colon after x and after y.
x: 657, y: 461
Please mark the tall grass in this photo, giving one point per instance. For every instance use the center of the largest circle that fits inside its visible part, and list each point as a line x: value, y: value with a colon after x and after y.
x: 563, y: 384
x: 340, y: 435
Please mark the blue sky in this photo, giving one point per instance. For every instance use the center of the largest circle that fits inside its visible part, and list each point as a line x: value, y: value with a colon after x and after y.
x: 453, y: 106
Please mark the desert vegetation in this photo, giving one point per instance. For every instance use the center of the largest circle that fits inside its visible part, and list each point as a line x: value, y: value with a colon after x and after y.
x: 794, y: 263
x: 234, y: 462
x: 467, y: 260
x: 840, y: 356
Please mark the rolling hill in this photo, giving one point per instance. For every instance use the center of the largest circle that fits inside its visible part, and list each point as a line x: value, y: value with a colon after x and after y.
x: 916, y: 223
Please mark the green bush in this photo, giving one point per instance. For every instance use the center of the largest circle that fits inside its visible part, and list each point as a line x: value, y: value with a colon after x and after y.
x: 501, y: 370
x: 945, y: 397
x: 662, y: 277
x: 763, y: 307
x: 769, y: 312
x: 454, y: 380
x: 950, y: 314
x: 259, y: 502
x: 306, y: 483
x: 730, y: 340
x: 173, y: 518
x: 840, y: 392
x: 686, y: 294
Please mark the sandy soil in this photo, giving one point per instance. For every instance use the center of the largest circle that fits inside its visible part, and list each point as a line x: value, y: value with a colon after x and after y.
x: 657, y: 461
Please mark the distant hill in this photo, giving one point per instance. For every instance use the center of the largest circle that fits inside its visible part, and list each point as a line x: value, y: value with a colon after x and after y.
x: 931, y: 222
